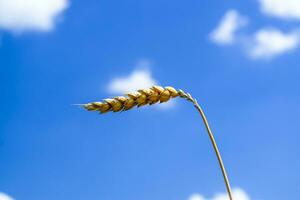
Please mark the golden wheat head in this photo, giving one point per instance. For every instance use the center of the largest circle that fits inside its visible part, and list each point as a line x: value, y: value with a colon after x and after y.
x: 138, y: 98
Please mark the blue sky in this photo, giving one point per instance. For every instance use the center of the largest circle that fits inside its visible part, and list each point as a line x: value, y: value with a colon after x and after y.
x: 239, y: 59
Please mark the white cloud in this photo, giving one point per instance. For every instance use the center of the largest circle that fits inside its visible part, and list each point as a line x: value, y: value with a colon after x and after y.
x: 268, y: 43
x: 238, y: 194
x: 225, y: 33
x: 286, y: 9
x: 4, y: 196
x: 138, y: 79
x: 196, y: 197
x: 30, y: 15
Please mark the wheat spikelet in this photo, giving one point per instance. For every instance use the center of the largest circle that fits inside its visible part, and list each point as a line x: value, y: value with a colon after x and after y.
x: 139, y: 98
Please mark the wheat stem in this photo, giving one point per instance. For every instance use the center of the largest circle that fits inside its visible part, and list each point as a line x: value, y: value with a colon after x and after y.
x: 151, y: 96
x: 216, y: 149
x: 188, y: 97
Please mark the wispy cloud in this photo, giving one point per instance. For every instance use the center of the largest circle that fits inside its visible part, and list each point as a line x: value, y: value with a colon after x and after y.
x: 30, y: 15
x: 225, y: 32
x: 4, y: 196
x: 285, y: 9
x: 238, y: 194
x: 271, y: 42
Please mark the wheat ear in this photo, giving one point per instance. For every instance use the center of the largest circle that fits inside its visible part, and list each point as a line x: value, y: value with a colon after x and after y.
x: 151, y: 96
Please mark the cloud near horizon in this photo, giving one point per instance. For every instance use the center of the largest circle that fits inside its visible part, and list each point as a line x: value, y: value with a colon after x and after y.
x: 238, y: 194
x: 30, y: 15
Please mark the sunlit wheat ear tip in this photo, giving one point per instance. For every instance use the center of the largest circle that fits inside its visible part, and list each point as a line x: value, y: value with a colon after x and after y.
x: 92, y: 106
x: 102, y: 107
x: 89, y: 107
